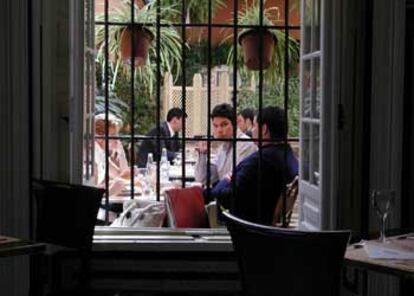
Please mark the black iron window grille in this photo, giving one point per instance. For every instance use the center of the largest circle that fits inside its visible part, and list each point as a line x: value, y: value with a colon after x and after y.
x: 184, y: 27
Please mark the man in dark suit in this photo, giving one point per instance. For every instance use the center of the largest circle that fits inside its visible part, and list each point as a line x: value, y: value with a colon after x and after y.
x: 245, y: 121
x: 260, y: 177
x: 168, y: 138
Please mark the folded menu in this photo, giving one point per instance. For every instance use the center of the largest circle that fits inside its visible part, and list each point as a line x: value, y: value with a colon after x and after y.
x: 376, y: 250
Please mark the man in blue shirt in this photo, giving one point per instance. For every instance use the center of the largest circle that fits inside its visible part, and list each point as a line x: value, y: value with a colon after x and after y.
x: 261, y: 177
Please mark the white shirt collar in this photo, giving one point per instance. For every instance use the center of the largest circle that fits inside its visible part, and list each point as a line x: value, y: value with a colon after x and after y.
x: 172, y: 133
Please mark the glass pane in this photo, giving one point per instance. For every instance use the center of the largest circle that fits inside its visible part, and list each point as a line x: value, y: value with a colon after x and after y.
x: 316, y: 92
x: 293, y: 107
x: 316, y: 26
x: 306, y: 89
x: 307, y: 26
x: 305, y: 151
x: 315, y: 155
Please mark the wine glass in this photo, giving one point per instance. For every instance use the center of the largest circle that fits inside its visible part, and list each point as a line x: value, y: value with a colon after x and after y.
x: 145, y: 178
x: 178, y: 159
x: 383, y: 202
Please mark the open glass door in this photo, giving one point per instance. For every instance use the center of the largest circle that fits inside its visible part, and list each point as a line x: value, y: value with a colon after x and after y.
x: 89, y: 92
x: 311, y: 122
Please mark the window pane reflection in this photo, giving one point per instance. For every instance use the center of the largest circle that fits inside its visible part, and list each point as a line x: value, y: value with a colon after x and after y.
x: 316, y: 93
x: 307, y: 90
x: 315, y: 155
x: 307, y: 26
x: 305, y: 153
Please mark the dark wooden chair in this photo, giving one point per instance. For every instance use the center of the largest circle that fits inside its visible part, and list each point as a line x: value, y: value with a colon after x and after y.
x: 292, y: 190
x: 65, y: 216
x: 278, y: 261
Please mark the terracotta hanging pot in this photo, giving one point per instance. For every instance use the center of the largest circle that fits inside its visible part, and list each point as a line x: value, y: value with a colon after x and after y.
x: 250, y: 41
x: 142, y: 39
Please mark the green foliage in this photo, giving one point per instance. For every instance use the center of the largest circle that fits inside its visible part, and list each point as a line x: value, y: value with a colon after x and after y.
x: 197, y: 57
x: 197, y: 9
x: 115, y: 105
x: 145, y: 105
x: 273, y: 95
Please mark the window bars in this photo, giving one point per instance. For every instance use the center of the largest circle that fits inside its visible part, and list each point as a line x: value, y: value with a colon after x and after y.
x: 182, y: 26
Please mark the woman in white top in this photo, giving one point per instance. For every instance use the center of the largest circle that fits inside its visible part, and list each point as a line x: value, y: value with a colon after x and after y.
x: 119, y: 171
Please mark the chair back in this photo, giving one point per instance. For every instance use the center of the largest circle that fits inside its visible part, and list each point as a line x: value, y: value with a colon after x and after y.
x: 65, y: 214
x: 278, y: 261
x: 185, y: 208
x: 292, y: 190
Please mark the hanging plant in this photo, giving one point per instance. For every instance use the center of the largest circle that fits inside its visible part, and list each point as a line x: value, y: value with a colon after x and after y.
x: 273, y: 44
x: 119, y: 42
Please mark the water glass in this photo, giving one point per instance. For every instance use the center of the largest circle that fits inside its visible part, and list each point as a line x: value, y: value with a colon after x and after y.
x: 383, y: 202
x: 145, y: 178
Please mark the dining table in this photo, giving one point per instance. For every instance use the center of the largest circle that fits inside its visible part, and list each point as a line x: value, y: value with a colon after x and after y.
x: 395, y: 256
x: 11, y: 246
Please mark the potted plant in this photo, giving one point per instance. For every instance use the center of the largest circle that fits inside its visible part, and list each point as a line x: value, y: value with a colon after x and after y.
x: 250, y: 39
x: 273, y: 43
x: 143, y: 31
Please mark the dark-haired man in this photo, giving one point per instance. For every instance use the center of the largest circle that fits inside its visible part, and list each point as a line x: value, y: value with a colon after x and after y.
x: 261, y: 177
x: 169, y: 138
x: 223, y: 121
x: 245, y: 121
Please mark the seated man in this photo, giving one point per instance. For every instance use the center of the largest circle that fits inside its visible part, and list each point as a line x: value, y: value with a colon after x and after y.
x: 261, y: 177
x: 168, y: 129
x: 245, y: 121
x: 223, y: 124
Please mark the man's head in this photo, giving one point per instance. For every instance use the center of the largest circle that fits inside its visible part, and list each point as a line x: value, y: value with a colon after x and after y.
x: 175, y: 119
x: 273, y: 123
x: 222, y: 118
x: 245, y: 119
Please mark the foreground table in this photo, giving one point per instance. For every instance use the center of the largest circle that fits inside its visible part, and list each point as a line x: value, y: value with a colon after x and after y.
x: 357, y: 256
x: 10, y: 246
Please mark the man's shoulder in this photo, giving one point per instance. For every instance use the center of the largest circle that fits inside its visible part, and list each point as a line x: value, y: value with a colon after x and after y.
x: 154, y: 130
x: 244, y: 147
x: 250, y: 159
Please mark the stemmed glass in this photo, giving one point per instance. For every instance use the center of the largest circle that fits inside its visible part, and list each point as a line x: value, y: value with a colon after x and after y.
x: 383, y: 203
x: 145, y: 179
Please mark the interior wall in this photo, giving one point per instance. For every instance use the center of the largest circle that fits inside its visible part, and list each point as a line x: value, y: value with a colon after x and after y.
x: 51, y: 92
x: 386, y: 138
x: 350, y: 75
x: 37, y: 42
x: 387, y: 103
x: 14, y: 146
x: 407, y: 218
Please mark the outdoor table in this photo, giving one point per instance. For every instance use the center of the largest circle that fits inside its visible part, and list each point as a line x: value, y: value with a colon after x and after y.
x: 175, y: 172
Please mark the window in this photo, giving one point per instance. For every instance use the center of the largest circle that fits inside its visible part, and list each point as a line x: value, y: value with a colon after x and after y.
x: 195, y: 61
x: 311, y: 119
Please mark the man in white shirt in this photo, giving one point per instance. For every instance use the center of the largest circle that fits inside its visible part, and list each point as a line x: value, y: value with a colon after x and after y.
x: 223, y: 121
